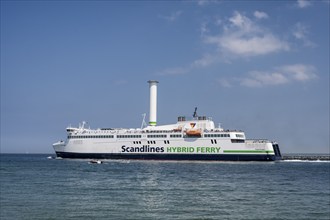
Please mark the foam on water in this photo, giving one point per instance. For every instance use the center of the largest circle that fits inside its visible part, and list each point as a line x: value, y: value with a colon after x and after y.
x: 307, y: 161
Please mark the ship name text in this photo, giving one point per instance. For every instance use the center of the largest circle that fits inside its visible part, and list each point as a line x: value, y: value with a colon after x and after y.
x: 193, y: 150
x: 148, y: 149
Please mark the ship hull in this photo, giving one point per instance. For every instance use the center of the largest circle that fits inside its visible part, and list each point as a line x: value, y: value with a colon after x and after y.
x: 178, y: 157
x: 203, y: 149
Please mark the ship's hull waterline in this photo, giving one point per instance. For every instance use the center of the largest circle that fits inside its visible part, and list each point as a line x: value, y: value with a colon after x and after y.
x: 169, y: 157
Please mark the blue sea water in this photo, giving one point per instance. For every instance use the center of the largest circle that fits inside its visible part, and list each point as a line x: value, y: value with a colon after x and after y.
x: 34, y: 187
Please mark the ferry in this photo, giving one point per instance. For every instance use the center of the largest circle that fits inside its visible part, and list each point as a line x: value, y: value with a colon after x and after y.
x: 194, y: 138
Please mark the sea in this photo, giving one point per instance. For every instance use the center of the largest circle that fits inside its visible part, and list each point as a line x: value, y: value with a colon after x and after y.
x: 38, y: 186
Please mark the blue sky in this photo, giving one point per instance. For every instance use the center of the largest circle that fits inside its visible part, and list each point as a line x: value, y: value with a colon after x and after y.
x: 258, y: 66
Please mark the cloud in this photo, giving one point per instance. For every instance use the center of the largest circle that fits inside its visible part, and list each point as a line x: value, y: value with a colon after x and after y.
x: 260, y: 14
x: 303, y: 3
x: 204, y: 30
x: 250, y: 46
x: 242, y: 37
x: 299, y: 72
x: 279, y: 76
x: 202, y: 2
x: 224, y: 83
x: 301, y: 32
x: 239, y: 20
x: 259, y: 79
x: 173, y: 17
x: 206, y: 60
x: 207, y: 2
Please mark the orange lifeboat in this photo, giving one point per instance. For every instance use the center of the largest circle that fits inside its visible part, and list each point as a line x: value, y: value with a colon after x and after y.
x: 194, y: 132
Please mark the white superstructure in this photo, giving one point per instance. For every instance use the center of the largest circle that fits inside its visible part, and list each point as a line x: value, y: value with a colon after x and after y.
x: 195, y: 138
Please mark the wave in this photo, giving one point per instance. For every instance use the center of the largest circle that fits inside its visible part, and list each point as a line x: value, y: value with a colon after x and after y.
x: 306, y: 157
x: 308, y: 161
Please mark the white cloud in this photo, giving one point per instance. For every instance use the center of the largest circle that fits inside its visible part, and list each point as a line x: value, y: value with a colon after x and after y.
x: 244, y: 38
x: 202, y: 2
x: 224, y: 83
x: 303, y: 3
x: 259, y: 79
x: 207, y: 2
x: 218, y: 21
x: 279, y: 76
x: 251, y: 46
x: 206, y: 60
x: 240, y: 37
x: 260, y: 14
x: 239, y: 23
x: 204, y: 29
x: 299, y: 72
x: 173, y: 17
x: 301, y: 32
x: 239, y: 20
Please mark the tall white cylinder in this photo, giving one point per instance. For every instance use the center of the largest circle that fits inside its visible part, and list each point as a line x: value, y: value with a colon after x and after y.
x: 153, y: 102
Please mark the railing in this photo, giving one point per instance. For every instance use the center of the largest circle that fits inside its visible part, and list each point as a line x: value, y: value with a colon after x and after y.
x: 257, y: 141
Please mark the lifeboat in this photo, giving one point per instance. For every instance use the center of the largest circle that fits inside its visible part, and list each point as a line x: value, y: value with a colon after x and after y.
x: 194, y: 133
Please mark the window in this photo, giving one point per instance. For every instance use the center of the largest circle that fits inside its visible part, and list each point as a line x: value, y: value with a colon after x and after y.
x: 128, y: 136
x: 237, y: 141
x: 175, y: 136
x: 156, y: 136
x: 216, y: 135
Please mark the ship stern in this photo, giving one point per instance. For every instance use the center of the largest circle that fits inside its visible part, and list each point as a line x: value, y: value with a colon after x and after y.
x: 277, y: 152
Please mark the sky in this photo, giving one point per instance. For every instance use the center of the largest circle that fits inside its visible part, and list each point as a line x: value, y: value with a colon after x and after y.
x: 257, y: 66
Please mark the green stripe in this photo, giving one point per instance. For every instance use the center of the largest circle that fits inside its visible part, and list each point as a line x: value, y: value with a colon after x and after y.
x: 152, y: 123
x: 248, y: 151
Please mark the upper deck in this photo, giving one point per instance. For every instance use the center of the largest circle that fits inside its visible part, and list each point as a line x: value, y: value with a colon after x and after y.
x: 83, y: 133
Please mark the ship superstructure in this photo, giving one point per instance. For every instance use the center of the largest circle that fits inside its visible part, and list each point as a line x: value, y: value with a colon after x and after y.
x: 194, y: 138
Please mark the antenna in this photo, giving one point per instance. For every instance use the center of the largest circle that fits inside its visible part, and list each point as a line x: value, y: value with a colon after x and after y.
x: 144, y: 124
x: 195, y: 113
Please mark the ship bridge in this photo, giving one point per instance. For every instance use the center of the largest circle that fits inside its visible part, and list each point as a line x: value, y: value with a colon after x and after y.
x: 200, y: 122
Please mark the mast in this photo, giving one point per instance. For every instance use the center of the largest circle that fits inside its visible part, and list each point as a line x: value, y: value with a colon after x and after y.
x: 195, y: 113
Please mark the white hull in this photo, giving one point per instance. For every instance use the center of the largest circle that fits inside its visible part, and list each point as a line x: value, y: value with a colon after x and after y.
x: 95, y: 144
